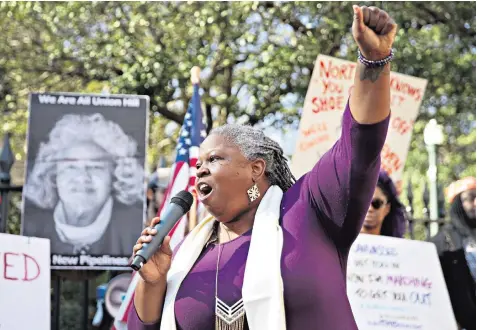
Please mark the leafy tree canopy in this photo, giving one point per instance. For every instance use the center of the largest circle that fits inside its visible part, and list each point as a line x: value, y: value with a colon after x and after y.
x: 257, y: 59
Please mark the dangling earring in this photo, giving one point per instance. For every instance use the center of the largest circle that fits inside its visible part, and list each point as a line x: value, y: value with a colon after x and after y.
x: 253, y: 192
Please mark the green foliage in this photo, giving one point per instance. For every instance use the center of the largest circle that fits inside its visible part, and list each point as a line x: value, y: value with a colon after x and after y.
x: 257, y: 58
x: 14, y: 213
x: 71, y: 304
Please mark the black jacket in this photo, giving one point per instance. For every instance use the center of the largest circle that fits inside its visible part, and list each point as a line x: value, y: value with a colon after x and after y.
x: 460, y: 283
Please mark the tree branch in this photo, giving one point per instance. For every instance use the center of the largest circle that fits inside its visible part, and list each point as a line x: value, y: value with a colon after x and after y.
x: 438, y: 18
x: 272, y: 98
x: 178, y: 118
x: 157, y: 36
x: 208, y: 114
x: 295, y: 23
x: 228, y: 88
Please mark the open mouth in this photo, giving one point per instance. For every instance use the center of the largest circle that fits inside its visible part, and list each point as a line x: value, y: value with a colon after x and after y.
x: 204, y: 190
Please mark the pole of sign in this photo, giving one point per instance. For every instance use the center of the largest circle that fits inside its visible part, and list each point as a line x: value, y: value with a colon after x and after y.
x: 192, y: 216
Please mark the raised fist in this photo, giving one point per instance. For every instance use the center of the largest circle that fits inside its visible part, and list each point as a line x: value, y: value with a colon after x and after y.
x: 374, y: 31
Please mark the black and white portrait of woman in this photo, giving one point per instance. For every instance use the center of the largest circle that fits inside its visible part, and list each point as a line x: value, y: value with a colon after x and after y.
x: 85, y: 188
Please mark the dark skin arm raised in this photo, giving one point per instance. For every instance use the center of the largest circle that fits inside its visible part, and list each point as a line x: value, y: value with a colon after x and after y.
x: 374, y: 31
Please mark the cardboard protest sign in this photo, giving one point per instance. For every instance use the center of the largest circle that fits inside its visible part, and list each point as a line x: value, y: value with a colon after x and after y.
x: 320, y: 126
x: 24, y: 283
x: 397, y: 283
x: 84, y: 181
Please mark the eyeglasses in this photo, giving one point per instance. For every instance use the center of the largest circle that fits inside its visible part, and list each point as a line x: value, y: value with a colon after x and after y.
x: 377, y: 203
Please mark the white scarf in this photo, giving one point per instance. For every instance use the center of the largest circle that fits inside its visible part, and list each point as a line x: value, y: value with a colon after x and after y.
x: 81, y: 237
x: 262, y: 290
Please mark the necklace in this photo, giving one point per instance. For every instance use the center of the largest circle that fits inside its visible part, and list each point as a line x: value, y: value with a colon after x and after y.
x: 227, y: 317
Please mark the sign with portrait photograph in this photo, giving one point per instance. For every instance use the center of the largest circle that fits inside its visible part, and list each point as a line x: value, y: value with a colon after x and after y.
x: 395, y: 283
x: 84, y: 183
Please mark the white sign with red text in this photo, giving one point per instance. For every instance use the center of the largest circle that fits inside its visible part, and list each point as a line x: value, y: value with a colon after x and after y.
x: 24, y: 283
x: 320, y: 126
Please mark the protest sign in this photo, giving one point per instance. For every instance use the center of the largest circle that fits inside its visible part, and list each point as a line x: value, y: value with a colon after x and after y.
x: 84, y: 183
x: 395, y: 283
x: 320, y: 126
x: 24, y: 283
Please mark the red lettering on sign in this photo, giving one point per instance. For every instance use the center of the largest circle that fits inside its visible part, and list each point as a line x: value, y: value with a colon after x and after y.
x: 329, y: 103
x: 406, y: 88
x: 343, y: 71
x: 331, y: 87
x: 30, y: 268
x: 7, y: 265
x: 25, y: 262
x: 315, y: 134
x: 390, y: 161
x: 305, y: 145
x: 401, y: 126
x: 313, y: 129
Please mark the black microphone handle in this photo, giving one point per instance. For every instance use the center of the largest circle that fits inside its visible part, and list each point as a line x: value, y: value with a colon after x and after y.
x: 173, y: 214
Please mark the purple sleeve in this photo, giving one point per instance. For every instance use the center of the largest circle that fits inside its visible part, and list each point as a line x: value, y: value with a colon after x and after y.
x: 342, y: 183
x: 135, y: 323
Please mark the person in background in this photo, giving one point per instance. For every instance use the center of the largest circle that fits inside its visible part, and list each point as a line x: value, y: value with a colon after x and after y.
x: 455, y: 243
x: 156, y: 190
x: 386, y: 213
x: 150, y: 193
x: 155, y: 195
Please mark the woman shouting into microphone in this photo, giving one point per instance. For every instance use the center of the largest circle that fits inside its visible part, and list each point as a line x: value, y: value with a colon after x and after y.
x: 273, y: 255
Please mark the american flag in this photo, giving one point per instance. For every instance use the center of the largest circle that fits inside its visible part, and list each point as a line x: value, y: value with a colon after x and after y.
x: 192, y: 133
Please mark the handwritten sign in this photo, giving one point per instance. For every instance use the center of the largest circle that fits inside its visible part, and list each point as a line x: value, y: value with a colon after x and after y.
x: 326, y: 98
x: 24, y: 283
x: 395, y: 283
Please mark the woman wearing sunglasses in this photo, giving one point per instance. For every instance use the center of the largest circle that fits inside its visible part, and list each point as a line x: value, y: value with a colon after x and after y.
x: 386, y: 213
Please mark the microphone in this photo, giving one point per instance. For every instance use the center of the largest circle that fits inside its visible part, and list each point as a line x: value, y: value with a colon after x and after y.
x: 180, y: 205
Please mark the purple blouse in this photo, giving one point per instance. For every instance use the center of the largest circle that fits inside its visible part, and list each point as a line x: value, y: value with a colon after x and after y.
x: 321, y: 216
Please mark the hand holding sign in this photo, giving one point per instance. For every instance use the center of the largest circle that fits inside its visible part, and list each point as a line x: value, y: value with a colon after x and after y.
x: 373, y: 31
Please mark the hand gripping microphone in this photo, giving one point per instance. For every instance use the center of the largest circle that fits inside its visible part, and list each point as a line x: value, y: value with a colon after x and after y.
x: 180, y: 205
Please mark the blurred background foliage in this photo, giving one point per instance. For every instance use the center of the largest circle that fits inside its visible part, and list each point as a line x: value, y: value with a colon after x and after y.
x: 256, y: 57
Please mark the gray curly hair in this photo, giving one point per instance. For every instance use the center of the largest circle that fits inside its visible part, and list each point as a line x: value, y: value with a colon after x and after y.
x: 71, y: 129
x: 254, y: 144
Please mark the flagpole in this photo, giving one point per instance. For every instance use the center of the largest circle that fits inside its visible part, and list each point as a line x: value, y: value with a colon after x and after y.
x: 195, y: 75
x: 192, y: 217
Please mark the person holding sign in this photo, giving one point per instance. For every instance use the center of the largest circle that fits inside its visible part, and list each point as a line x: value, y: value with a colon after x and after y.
x: 386, y: 213
x: 455, y: 244
x: 273, y: 255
